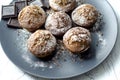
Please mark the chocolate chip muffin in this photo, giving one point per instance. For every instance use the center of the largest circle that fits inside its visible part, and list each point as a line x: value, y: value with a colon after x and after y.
x: 32, y: 17
x: 58, y: 23
x: 77, y: 40
x: 85, y: 15
x: 62, y: 5
x: 41, y: 43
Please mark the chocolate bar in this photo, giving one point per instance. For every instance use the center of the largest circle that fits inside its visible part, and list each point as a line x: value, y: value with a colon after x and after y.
x: 9, y: 11
x: 13, y: 22
x: 20, y: 5
x: 41, y: 3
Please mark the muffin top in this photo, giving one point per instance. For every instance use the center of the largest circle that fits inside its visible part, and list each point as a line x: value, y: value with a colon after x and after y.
x: 31, y: 17
x: 62, y: 5
x: 58, y: 23
x: 41, y: 43
x: 77, y: 39
x: 85, y: 15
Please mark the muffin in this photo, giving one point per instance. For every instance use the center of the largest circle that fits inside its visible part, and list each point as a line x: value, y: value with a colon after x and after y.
x: 58, y: 23
x: 32, y: 17
x: 85, y: 15
x: 62, y: 5
x: 77, y: 40
x: 41, y: 43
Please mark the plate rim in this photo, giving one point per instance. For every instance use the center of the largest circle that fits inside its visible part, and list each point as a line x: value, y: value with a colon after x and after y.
x: 74, y: 75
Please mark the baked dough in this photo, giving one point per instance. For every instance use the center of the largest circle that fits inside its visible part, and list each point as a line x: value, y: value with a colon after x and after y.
x: 85, y: 15
x: 58, y: 23
x: 32, y: 17
x: 62, y: 5
x: 77, y: 39
x: 41, y: 43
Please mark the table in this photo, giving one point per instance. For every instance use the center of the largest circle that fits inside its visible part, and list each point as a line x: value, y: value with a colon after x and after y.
x: 107, y: 70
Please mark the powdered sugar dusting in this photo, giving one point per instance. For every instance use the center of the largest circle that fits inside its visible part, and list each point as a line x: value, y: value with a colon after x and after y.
x: 62, y: 54
x: 96, y: 29
x: 101, y: 41
x: 85, y: 15
x: 61, y: 5
x: 58, y: 23
x: 82, y: 20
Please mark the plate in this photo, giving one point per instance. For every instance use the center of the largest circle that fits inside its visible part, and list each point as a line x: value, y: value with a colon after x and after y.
x: 63, y: 64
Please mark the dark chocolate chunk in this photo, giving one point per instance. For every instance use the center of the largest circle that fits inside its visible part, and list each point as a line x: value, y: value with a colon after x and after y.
x: 41, y: 3
x: 20, y: 5
x: 9, y: 11
x: 13, y: 22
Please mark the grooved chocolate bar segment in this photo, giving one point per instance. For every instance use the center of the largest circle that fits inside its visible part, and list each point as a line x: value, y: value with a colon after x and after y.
x: 20, y: 5
x: 9, y: 11
x: 13, y: 22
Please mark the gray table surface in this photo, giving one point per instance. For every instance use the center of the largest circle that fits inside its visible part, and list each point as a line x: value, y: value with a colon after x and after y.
x: 107, y: 70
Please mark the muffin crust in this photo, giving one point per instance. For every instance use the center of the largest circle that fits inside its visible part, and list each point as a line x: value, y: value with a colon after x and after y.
x: 41, y: 43
x: 31, y: 17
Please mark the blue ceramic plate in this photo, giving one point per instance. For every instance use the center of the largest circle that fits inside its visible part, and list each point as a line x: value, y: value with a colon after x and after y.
x: 65, y: 65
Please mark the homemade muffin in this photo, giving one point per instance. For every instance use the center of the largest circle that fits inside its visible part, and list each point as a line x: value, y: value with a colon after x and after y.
x: 85, y: 15
x: 41, y: 43
x: 77, y: 39
x: 32, y: 17
x: 58, y: 23
x: 62, y: 5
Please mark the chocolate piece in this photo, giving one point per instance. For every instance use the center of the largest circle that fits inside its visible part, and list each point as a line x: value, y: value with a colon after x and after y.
x: 9, y: 11
x: 13, y: 22
x: 41, y: 3
x: 20, y: 5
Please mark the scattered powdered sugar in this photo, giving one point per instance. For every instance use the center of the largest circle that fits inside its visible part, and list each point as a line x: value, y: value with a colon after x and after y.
x: 101, y: 41
x: 21, y: 40
x: 36, y: 64
x: 61, y: 54
x: 98, y: 25
x: 97, y: 29
x: 79, y: 2
x: 82, y: 20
